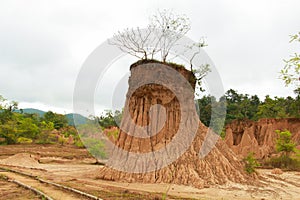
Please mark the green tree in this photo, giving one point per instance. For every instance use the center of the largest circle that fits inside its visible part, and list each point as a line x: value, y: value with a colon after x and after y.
x: 45, y: 136
x: 58, y: 120
x: 292, y: 106
x: 9, y: 131
x: 204, y: 106
x: 27, y: 128
x: 7, y: 109
x: 284, y: 143
x: 290, y: 74
x: 250, y: 163
x: 109, y: 119
x: 241, y: 106
x: 272, y: 108
x: 244, y: 106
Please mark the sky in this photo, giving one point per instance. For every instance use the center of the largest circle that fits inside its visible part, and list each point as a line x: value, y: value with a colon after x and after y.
x: 43, y: 44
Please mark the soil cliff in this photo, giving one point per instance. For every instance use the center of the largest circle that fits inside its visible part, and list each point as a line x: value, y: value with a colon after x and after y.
x: 259, y: 137
x: 168, y: 149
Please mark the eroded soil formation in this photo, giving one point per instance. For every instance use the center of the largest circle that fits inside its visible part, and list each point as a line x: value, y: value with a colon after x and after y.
x: 175, y: 124
x: 259, y: 137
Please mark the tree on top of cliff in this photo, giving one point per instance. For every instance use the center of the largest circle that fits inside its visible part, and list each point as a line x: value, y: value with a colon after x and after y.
x: 161, y: 36
x: 170, y: 28
x: 164, y: 30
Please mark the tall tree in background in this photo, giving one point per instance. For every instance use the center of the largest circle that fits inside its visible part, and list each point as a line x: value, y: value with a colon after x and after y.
x: 273, y: 108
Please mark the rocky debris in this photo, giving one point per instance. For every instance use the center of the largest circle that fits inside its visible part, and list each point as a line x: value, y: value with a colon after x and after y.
x: 259, y: 137
x: 218, y: 167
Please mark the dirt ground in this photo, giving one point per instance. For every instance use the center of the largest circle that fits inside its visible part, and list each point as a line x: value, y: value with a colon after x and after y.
x: 73, y: 167
x: 10, y: 190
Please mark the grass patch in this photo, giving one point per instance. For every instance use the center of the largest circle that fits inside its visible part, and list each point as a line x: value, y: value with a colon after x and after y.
x: 284, y: 162
x: 3, y: 177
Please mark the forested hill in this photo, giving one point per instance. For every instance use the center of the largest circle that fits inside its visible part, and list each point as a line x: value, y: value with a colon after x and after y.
x: 36, y: 126
x: 31, y: 111
x: 70, y: 116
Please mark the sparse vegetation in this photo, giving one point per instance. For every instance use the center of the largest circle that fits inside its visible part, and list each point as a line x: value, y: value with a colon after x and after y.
x: 250, y: 163
x: 3, y: 177
x: 95, y: 147
x: 288, y: 158
x: 290, y: 74
x: 23, y: 140
x: 284, y: 162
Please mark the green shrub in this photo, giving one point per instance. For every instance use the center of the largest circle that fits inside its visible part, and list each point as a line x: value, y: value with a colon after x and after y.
x: 3, y: 141
x: 284, y: 162
x: 3, y: 177
x: 78, y: 143
x: 24, y: 140
x: 284, y: 143
x: 96, y: 147
x: 114, y: 133
x: 250, y: 163
x: 62, y: 140
x: 46, y: 138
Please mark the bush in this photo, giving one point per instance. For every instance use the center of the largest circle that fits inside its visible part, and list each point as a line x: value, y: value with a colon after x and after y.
x: 250, y: 163
x: 46, y: 138
x: 112, y: 132
x: 62, y: 140
x: 96, y: 147
x: 3, y: 141
x: 24, y: 140
x: 79, y: 144
x: 284, y: 162
x: 284, y: 143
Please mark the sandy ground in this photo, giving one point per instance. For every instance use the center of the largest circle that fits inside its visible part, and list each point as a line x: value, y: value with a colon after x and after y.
x: 10, y: 190
x: 47, y: 189
x: 84, y: 177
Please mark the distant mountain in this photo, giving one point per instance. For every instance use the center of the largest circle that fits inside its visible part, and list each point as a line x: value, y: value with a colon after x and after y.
x: 31, y: 111
x: 79, y: 119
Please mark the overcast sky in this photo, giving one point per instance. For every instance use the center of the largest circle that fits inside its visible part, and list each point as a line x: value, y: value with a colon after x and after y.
x: 43, y: 44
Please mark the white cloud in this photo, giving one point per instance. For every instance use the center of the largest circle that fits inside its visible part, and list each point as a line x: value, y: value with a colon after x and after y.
x: 44, y: 43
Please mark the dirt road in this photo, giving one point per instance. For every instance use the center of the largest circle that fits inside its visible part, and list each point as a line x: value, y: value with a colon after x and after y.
x: 49, y: 190
x: 82, y: 176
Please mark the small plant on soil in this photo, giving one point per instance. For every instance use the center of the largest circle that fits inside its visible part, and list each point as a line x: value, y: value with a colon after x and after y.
x: 3, y: 177
x: 250, y: 163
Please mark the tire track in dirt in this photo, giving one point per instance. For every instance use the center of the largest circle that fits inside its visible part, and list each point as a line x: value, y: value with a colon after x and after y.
x: 50, y: 189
